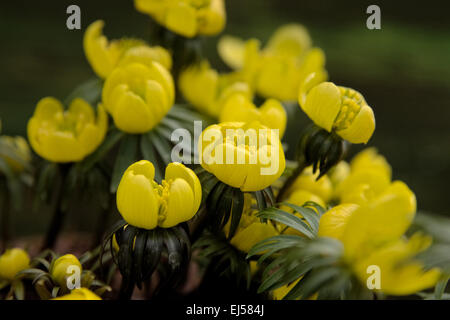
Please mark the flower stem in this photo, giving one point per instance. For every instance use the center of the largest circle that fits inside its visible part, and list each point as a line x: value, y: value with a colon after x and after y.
x: 288, y: 183
x: 58, y: 214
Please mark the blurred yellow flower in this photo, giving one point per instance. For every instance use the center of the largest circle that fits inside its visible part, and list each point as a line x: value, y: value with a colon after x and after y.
x: 186, y: 17
x: 238, y: 107
x: 12, y: 261
x: 66, y: 136
x: 79, y: 294
x: 369, y: 175
x: 138, y: 96
x: 104, y: 56
x: 250, y: 230
x: 60, y: 268
x: 373, y: 235
x: 341, y: 110
x: 400, y: 274
x: 277, y: 70
x: 207, y: 90
x: 307, y: 181
x: 15, y: 151
x: 248, y: 156
x: 145, y: 204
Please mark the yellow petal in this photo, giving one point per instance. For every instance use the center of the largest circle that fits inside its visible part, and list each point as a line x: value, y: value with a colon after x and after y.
x: 323, y: 104
x: 13, y: 261
x: 332, y: 223
x: 289, y: 40
x: 399, y: 275
x: 245, y: 239
x: 370, y: 159
x: 59, y: 268
x: 211, y: 19
x: 49, y: 109
x: 132, y: 114
x: 273, y: 115
x: 307, y: 181
x: 180, y: 204
x: 136, y: 198
x: 181, y: 18
x: 362, y: 127
x: 177, y: 170
x: 231, y: 50
x: 79, y: 294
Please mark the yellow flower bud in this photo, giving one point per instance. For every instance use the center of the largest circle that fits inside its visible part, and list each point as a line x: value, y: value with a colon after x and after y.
x: 342, y: 110
x: 138, y: 96
x: 248, y: 156
x: 20, y: 149
x: 145, y: 204
x: 104, y: 56
x: 250, y: 230
x: 238, y: 107
x: 207, y: 90
x: 187, y: 18
x: 307, y: 181
x: 13, y: 261
x: 79, y: 294
x: 59, y: 269
x: 66, y: 136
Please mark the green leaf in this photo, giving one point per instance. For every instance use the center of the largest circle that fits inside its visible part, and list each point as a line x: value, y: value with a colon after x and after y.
x: 440, y: 288
x: 125, y: 157
x: 19, y: 290
x: 311, y: 217
x: 236, y: 211
x: 162, y: 146
x: 287, y: 219
x: 149, y: 154
x: 90, y: 91
x: 113, y: 137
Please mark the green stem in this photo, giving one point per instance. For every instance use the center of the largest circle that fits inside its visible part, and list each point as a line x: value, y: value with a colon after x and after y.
x: 58, y: 214
x: 290, y: 181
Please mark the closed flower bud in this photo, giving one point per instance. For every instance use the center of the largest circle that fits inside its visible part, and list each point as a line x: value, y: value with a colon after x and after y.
x: 145, y: 204
x: 104, y: 56
x: 238, y: 107
x: 16, y: 152
x: 248, y: 156
x: 341, y: 110
x: 13, y: 261
x: 66, y: 136
x: 60, y: 268
x: 187, y: 18
x: 138, y: 96
x: 79, y: 294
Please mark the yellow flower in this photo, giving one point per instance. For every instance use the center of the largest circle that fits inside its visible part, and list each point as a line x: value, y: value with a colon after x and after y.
x: 12, y: 261
x: 186, y: 17
x: 145, y: 204
x: 66, y: 136
x: 383, y: 219
x: 400, y: 274
x: 238, y: 107
x: 370, y: 174
x: 332, y: 223
x: 339, y: 173
x: 341, y: 110
x: 250, y: 230
x: 15, y: 151
x: 59, y: 269
x: 207, y: 90
x: 79, y: 294
x: 138, y: 96
x: 104, y: 56
x: 277, y: 70
x: 373, y: 235
x: 307, y: 181
x: 248, y: 156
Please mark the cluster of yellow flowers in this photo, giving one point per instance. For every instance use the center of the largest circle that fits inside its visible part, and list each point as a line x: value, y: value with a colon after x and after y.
x: 365, y: 210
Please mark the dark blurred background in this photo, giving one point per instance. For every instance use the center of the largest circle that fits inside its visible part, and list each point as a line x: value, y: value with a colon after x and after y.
x: 403, y: 70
